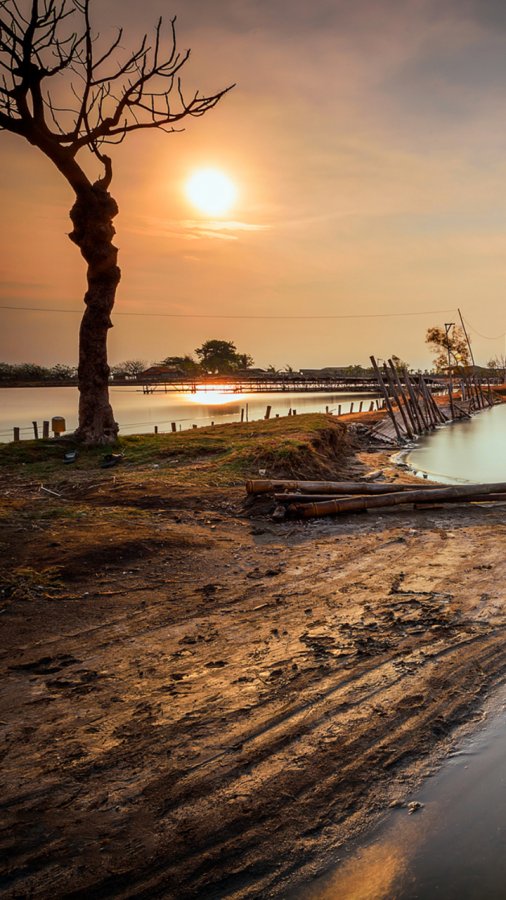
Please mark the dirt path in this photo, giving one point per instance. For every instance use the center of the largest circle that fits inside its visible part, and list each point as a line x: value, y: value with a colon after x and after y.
x: 214, y: 703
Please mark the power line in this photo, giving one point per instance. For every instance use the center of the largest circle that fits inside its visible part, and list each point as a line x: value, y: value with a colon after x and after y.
x: 425, y: 312
x: 486, y: 337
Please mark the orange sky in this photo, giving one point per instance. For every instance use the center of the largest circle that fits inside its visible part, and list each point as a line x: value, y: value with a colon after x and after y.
x: 368, y: 145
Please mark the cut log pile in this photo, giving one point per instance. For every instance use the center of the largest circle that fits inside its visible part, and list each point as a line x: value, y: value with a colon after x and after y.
x: 312, y: 499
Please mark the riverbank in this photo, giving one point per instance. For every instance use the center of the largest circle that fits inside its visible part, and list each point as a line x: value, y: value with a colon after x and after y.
x: 200, y: 702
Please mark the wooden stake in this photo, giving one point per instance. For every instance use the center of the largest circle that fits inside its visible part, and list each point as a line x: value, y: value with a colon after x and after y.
x: 45, y: 430
x: 35, y: 430
x: 422, y: 423
x: 386, y: 398
x: 16, y: 433
x: 397, y: 399
x: 402, y: 398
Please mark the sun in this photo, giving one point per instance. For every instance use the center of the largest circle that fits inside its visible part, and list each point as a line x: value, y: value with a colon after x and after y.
x: 211, y: 191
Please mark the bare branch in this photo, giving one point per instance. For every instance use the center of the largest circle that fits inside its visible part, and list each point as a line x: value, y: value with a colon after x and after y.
x: 142, y: 92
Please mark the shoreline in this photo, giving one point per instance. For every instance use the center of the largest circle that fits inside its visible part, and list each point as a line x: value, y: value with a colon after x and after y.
x: 198, y: 696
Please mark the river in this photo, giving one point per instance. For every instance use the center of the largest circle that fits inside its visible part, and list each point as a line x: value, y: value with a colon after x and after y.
x: 137, y: 412
x: 473, y: 450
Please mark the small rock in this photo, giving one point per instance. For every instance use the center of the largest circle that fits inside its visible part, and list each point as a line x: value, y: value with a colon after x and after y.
x: 414, y: 806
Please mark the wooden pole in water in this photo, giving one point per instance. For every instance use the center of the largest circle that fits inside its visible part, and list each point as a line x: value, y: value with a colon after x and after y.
x: 418, y: 412
x: 402, y: 397
x: 386, y: 398
x: 431, y: 403
x: 396, y: 396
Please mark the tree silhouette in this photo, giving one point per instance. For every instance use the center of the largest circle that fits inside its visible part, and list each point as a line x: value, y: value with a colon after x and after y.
x: 221, y: 357
x: 105, y: 95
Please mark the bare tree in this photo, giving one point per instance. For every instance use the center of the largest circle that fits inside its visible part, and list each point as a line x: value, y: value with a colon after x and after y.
x: 104, y: 96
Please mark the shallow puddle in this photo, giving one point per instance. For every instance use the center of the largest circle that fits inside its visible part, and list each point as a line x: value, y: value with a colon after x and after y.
x: 453, y: 846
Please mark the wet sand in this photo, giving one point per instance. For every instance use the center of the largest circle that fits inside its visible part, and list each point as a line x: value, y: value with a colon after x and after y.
x: 214, y: 703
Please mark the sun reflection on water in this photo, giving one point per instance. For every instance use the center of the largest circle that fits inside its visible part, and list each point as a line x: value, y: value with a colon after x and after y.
x: 215, y: 396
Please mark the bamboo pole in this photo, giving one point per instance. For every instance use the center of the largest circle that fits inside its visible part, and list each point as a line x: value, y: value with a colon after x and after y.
x: 457, y: 493
x: 438, y: 413
x: 400, y: 406
x: 268, y: 485
x: 395, y: 375
x: 424, y: 424
x: 386, y: 398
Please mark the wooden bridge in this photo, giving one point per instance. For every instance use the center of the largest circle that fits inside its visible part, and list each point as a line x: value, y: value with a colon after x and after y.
x: 265, y: 384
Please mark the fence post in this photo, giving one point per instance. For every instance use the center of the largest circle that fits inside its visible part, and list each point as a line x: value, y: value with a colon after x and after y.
x: 268, y: 412
x: 16, y: 434
x: 35, y: 431
x: 173, y: 426
x: 45, y: 430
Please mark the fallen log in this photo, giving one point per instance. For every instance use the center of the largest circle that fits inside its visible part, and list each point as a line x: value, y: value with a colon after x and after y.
x: 454, y: 493
x: 266, y: 486
x: 324, y: 498
x: 483, y: 498
x: 308, y: 498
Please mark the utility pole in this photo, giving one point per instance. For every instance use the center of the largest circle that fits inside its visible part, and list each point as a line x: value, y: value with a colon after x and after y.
x: 448, y: 326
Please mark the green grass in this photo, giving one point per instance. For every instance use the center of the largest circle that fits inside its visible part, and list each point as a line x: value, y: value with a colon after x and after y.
x: 230, y: 451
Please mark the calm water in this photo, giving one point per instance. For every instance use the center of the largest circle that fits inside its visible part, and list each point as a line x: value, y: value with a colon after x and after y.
x: 474, y: 450
x: 453, y: 848
x: 137, y: 412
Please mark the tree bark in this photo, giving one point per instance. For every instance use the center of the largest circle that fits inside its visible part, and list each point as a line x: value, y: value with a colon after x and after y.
x: 92, y: 216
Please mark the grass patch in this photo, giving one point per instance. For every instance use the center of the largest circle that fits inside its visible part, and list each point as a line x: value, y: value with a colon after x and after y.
x: 305, y: 445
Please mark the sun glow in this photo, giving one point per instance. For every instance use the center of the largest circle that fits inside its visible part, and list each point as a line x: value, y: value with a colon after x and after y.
x: 211, y: 191
x: 215, y: 396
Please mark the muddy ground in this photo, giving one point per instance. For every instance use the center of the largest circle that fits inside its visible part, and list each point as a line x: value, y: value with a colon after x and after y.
x: 200, y: 702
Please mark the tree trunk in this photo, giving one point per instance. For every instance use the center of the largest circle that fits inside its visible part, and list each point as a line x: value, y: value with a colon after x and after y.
x: 92, y: 216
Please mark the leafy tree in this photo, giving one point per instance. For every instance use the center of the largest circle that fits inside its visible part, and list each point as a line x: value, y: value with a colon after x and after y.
x: 61, y: 372
x: 107, y: 94
x: 443, y: 342
x: 221, y: 357
x: 244, y: 360
x: 186, y: 363
x: 399, y: 363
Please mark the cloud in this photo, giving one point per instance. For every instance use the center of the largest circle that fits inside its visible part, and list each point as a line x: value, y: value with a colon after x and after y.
x: 194, y: 229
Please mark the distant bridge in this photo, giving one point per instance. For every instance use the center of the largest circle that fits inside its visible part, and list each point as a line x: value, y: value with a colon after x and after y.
x: 266, y: 384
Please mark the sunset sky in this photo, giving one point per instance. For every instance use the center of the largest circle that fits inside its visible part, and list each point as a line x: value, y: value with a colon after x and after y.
x: 367, y: 144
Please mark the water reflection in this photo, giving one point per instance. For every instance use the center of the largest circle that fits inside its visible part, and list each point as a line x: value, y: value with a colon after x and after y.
x: 370, y: 874
x: 137, y: 412
x: 454, y: 847
x: 473, y: 450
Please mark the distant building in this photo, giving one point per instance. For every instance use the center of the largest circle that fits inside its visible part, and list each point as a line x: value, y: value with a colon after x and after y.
x: 161, y: 373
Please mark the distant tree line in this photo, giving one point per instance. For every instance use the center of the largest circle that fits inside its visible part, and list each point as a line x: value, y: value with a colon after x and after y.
x: 32, y: 373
